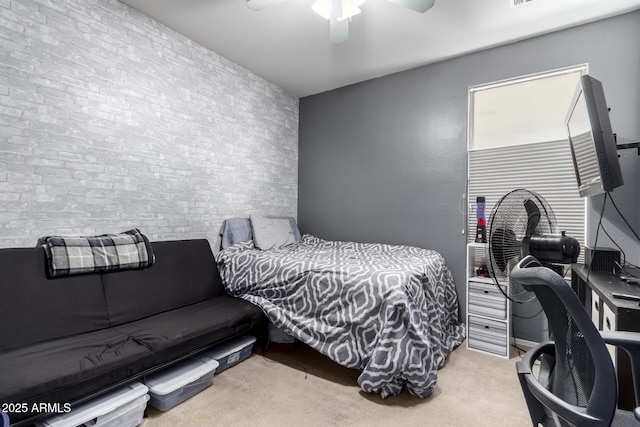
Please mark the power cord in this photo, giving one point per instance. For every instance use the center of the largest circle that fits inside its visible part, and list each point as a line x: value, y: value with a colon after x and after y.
x: 623, y: 218
x: 528, y: 317
x: 520, y: 350
x: 600, y: 226
x: 622, y: 270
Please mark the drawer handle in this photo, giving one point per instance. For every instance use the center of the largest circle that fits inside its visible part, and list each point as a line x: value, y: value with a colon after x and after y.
x: 486, y: 292
x: 596, y: 305
x: 608, y: 324
x: 487, y: 327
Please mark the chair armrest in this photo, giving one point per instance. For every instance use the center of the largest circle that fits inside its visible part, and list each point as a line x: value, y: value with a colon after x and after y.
x: 525, y: 365
x: 629, y: 342
x: 535, y: 391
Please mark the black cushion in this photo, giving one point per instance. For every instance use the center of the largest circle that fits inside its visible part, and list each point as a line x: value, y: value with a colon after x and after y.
x: 64, y: 339
x: 177, y: 332
x: 67, y: 369
x: 34, y: 308
x: 184, y: 273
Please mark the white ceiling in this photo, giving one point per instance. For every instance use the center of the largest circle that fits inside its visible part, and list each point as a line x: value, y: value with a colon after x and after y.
x: 288, y: 44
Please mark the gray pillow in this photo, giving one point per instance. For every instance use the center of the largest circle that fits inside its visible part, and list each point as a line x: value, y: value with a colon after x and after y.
x: 292, y: 221
x: 235, y: 230
x: 271, y: 233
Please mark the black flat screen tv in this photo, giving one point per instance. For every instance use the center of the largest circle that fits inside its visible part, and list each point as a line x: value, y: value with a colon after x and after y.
x: 591, y: 140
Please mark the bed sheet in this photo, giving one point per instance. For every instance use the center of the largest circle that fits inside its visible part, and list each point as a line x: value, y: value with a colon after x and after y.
x: 390, y: 310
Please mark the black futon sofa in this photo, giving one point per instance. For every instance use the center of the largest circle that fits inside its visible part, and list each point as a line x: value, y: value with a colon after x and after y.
x: 66, y: 340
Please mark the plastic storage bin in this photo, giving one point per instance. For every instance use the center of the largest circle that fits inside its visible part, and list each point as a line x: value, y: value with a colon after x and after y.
x: 179, y: 382
x: 123, y: 407
x: 230, y: 353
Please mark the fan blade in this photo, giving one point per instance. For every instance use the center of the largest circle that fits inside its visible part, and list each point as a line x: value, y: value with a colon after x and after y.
x: 417, y: 5
x: 338, y: 28
x: 504, y: 246
x: 533, y: 217
x: 261, y: 4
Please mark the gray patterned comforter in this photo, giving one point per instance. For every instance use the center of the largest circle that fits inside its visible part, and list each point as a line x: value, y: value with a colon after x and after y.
x: 389, y: 310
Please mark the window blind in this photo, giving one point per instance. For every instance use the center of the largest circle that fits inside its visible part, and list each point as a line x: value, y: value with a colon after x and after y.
x: 545, y: 168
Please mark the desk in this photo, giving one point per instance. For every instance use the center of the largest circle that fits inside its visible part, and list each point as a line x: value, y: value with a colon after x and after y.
x: 609, y: 313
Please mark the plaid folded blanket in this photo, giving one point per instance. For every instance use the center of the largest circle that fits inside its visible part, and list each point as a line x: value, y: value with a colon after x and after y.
x: 77, y: 255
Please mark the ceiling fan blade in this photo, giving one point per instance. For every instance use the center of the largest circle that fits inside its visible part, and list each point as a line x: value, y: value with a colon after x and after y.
x: 261, y: 4
x: 417, y: 5
x: 338, y: 27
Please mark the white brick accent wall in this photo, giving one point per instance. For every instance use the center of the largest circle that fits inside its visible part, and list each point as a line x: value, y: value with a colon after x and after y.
x: 109, y: 120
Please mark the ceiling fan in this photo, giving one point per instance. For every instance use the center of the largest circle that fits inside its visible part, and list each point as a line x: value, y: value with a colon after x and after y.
x: 339, y: 12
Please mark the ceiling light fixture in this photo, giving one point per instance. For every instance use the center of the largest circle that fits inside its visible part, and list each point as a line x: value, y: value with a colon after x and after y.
x: 342, y: 9
x: 340, y: 12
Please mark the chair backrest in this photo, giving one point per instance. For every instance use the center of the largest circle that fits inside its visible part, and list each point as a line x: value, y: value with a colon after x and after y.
x: 582, y: 375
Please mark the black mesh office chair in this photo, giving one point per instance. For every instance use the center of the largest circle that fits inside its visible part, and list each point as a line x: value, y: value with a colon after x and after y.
x: 576, y: 384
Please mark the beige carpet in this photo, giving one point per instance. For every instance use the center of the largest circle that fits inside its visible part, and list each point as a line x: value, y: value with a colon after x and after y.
x: 297, y: 386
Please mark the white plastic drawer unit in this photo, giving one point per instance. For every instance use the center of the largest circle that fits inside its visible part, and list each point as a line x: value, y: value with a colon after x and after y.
x: 485, y: 299
x: 488, y: 335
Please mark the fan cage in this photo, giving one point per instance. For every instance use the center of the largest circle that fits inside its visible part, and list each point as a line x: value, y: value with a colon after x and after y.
x: 507, y: 237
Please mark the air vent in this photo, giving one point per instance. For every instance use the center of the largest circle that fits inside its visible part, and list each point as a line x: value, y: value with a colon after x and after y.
x: 516, y: 3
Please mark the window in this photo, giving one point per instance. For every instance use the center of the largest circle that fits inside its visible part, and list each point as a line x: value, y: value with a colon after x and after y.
x: 517, y: 139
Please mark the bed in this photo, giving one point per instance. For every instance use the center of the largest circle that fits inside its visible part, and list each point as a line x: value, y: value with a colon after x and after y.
x: 389, y: 310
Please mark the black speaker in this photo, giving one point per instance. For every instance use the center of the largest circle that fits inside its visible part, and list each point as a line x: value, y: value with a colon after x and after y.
x: 602, y: 259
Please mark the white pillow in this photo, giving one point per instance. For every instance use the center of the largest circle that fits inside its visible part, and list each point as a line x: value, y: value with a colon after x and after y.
x: 271, y: 233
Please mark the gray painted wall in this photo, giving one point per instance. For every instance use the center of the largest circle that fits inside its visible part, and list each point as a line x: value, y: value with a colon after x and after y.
x: 109, y: 120
x: 385, y: 160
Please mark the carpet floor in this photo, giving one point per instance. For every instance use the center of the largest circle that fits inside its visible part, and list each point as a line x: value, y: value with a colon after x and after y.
x: 297, y: 386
